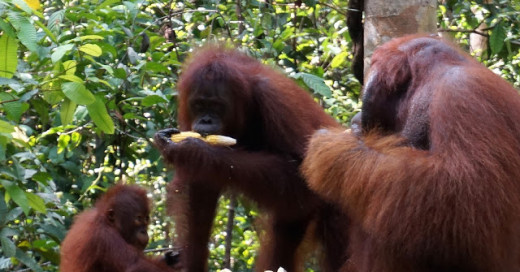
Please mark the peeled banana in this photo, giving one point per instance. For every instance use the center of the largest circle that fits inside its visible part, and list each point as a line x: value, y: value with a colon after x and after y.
x: 210, y: 139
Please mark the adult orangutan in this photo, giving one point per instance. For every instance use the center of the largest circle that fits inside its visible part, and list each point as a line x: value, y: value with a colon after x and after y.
x: 222, y: 91
x: 111, y: 237
x: 432, y: 180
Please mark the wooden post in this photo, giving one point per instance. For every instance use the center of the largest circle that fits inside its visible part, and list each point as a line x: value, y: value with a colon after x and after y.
x: 385, y: 20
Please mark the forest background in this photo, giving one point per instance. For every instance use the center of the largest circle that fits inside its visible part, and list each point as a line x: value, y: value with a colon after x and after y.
x: 85, y: 84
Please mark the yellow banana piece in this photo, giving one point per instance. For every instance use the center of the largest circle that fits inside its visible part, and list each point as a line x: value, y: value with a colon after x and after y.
x: 185, y: 134
x: 210, y: 139
x: 220, y: 140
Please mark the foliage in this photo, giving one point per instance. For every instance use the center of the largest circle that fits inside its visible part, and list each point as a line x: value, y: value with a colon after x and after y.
x: 84, y: 85
x: 497, y: 22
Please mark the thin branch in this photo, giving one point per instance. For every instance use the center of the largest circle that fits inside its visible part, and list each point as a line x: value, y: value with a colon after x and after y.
x: 464, y: 31
x: 9, y: 101
x: 340, y: 11
x: 229, y: 230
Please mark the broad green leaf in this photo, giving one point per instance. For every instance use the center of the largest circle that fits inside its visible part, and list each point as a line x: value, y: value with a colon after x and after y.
x: 78, y: 93
x: 152, y: 100
x: 91, y: 49
x: 60, y: 51
x: 26, y: 30
x: 99, y: 114
x: 70, y: 67
x: 53, y: 96
x: 55, y: 20
x: 28, y: 261
x: 339, y: 59
x: 317, y: 84
x: 36, y: 202
x: 17, y: 195
x: 497, y: 37
x: 72, y: 78
x: 156, y: 67
x: 6, y: 127
x: 8, y: 247
x: 107, y: 3
x: 8, y: 56
x: 7, y: 28
x: 91, y: 37
x: 14, y: 109
x: 23, y: 5
x: 13, y: 214
x: 67, y: 111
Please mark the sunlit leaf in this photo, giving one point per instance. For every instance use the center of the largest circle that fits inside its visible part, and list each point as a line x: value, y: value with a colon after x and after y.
x: 36, y: 202
x: 91, y: 49
x: 91, y: 37
x: 338, y: 60
x: 70, y: 67
x: 6, y: 127
x: 8, y: 56
x: 67, y: 111
x: 34, y: 4
x: 99, y: 114
x: 78, y: 93
x: 60, y: 51
x: 72, y: 78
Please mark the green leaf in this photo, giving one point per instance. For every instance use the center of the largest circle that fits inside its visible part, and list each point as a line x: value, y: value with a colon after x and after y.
x: 317, y: 84
x: 63, y: 142
x: 60, y: 51
x: 46, y: 30
x: 7, y: 28
x: 497, y: 37
x: 107, y: 3
x: 91, y: 37
x: 26, y: 30
x: 23, y: 6
x: 72, y: 78
x: 67, y: 111
x: 8, y: 56
x: 6, y: 127
x: 91, y: 49
x: 152, y: 100
x: 99, y: 114
x: 70, y: 67
x: 78, y: 93
x: 27, y: 260
x: 156, y: 67
x: 13, y: 214
x: 339, y: 59
x: 53, y: 96
x: 17, y: 194
x: 8, y: 247
x: 36, y: 202
x: 55, y: 20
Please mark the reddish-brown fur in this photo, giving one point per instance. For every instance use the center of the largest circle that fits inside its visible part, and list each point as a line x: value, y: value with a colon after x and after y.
x: 433, y: 182
x: 94, y: 244
x: 272, y: 120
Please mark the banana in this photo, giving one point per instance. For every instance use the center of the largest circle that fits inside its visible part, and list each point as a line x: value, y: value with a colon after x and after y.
x: 210, y: 139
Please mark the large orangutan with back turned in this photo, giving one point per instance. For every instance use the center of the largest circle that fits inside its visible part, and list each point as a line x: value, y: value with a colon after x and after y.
x: 432, y: 179
x: 223, y: 91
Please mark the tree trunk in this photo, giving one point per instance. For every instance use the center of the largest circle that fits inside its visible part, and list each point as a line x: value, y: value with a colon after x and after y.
x: 385, y: 20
